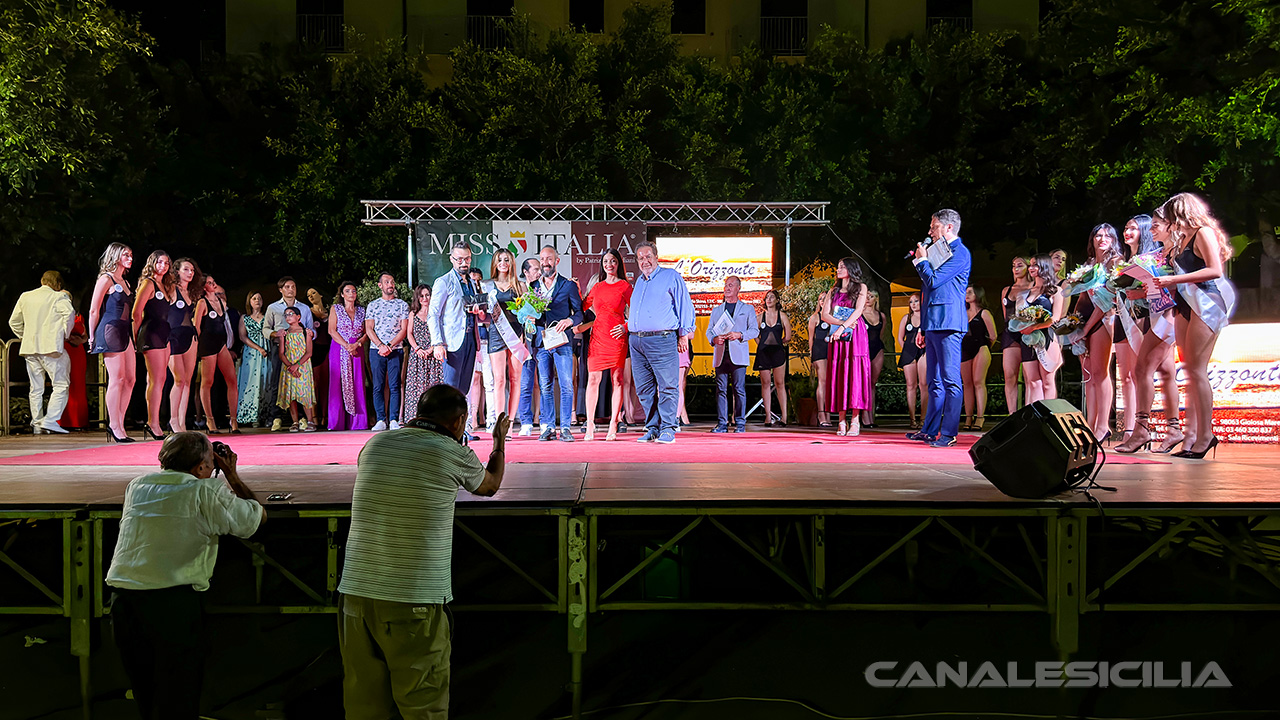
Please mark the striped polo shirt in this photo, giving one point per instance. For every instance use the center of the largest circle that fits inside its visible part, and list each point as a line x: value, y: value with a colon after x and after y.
x: 401, y: 541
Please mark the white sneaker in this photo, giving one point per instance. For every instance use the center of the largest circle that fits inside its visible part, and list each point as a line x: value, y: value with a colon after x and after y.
x: 378, y: 426
x: 395, y: 425
x: 526, y: 430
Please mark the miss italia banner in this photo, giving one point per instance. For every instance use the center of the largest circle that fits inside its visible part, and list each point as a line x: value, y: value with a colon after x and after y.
x: 579, y: 245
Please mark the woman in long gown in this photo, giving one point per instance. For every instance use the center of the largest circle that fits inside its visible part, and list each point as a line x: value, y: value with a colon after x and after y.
x: 346, y: 407
x: 850, y: 363
x: 255, y: 362
x: 424, y: 369
x: 608, y: 297
x: 76, y: 415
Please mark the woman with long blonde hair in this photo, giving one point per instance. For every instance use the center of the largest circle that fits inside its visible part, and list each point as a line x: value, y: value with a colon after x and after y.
x: 1010, y: 345
x: 1204, y: 300
x: 1099, y: 392
x: 504, y: 287
x: 1045, y: 293
x: 111, y: 334
x: 151, y: 327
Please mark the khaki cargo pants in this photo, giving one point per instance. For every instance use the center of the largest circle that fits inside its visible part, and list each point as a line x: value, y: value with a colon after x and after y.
x: 395, y: 657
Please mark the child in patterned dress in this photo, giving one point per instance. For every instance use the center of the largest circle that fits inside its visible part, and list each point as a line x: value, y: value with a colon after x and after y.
x: 297, y: 384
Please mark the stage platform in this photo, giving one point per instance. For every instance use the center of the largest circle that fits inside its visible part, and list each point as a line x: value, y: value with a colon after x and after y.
x: 776, y: 519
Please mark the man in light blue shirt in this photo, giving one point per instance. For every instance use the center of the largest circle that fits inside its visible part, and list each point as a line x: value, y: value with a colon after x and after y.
x: 660, y: 319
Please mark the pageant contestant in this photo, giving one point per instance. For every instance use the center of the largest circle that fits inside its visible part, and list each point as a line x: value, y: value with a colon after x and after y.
x: 151, y: 326
x: 1010, y: 341
x: 188, y: 282
x: 975, y: 357
x: 1037, y: 364
x: 849, y: 364
x: 1205, y: 300
x: 111, y: 334
x: 213, y: 328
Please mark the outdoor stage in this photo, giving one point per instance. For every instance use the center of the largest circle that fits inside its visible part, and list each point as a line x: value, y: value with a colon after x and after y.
x: 789, y: 519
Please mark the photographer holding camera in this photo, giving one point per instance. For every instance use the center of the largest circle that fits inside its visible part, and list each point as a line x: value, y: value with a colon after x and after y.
x: 394, y: 626
x: 163, y: 560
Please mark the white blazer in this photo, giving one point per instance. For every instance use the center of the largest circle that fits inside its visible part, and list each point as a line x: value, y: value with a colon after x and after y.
x: 745, y: 322
x: 447, y: 314
x: 43, y: 318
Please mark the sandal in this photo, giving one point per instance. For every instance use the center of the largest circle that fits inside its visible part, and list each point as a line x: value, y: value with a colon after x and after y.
x: 825, y: 425
x: 842, y: 431
x: 294, y: 427
x: 1143, y: 440
x: 979, y: 422
x: 591, y: 431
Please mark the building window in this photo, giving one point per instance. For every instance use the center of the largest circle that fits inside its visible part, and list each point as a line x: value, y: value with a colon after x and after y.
x: 689, y: 17
x: 784, y: 26
x: 587, y: 14
x: 485, y: 20
x: 953, y: 13
x: 320, y: 25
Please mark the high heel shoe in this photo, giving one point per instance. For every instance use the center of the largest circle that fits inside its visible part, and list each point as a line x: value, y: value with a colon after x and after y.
x: 1199, y: 455
x: 1105, y: 439
x: 1140, y: 423
x: 151, y: 434
x: 591, y: 431
x: 613, y: 432
x: 842, y: 431
x: 1168, y: 445
x: 126, y: 439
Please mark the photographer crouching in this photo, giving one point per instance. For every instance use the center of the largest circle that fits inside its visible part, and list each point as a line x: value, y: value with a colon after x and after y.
x: 163, y: 559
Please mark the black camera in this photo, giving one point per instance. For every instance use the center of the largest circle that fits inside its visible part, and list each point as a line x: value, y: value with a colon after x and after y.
x: 221, y: 449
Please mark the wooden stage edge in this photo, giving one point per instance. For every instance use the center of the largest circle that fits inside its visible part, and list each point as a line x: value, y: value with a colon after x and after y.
x: 1242, y: 477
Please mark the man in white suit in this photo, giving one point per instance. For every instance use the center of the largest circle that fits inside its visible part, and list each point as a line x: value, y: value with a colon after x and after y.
x: 731, y: 327
x: 42, y: 319
x: 453, y: 328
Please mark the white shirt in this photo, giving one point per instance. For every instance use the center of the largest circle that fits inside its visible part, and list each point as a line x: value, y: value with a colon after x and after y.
x: 169, y: 530
x: 43, y: 318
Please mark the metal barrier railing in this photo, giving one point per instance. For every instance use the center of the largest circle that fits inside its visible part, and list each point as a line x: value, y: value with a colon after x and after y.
x: 9, y: 359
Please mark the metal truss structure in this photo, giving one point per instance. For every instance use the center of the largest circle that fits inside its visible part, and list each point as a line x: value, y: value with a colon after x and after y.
x: 1063, y: 562
x: 763, y: 214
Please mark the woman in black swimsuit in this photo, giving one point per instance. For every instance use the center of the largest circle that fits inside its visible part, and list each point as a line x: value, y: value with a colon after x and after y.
x: 975, y: 357
x: 111, y: 334
x: 1043, y: 292
x: 911, y: 360
x: 1099, y: 392
x: 1205, y: 300
x: 1010, y: 342
x: 772, y: 356
x: 213, y: 329
x: 151, y: 325
x: 874, y: 320
x: 187, y: 281
x: 1154, y: 356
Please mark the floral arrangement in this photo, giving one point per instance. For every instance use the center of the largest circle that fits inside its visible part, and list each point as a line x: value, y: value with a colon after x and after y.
x: 528, y: 308
x: 1070, y: 332
x: 1084, y: 278
x: 1027, y: 317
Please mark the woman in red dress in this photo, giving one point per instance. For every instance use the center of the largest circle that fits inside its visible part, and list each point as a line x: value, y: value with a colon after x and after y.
x: 608, y: 297
x: 76, y: 416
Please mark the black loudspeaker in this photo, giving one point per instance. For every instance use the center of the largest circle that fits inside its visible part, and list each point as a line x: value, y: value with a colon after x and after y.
x: 1041, y: 450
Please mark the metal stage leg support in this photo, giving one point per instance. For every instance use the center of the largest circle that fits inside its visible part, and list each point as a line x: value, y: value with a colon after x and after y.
x: 1066, y: 582
x: 578, y: 549
x: 819, y: 537
x: 80, y: 604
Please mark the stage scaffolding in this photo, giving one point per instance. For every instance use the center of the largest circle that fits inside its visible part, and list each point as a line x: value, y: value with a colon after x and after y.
x: 1058, y: 559
x: 408, y: 213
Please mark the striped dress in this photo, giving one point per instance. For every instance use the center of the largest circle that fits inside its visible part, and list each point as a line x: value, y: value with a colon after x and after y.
x: 400, y: 546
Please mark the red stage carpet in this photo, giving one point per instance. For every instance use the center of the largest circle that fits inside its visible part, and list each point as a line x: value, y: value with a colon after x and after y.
x: 696, y: 446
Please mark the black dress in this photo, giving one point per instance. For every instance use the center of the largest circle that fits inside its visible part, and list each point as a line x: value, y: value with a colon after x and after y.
x: 1009, y: 338
x: 820, y: 344
x: 153, y: 331
x: 496, y: 343
x: 182, y: 329
x: 114, y: 330
x: 910, y: 353
x: 875, y: 343
x: 1028, y: 352
x: 975, y: 339
x: 770, y: 352
x: 213, y: 331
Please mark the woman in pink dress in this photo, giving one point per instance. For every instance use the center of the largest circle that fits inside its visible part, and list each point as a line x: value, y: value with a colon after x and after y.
x: 850, y: 364
x: 346, y: 405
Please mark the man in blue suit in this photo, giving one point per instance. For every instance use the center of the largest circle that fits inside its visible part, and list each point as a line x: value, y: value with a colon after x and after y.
x: 564, y: 310
x: 944, y: 322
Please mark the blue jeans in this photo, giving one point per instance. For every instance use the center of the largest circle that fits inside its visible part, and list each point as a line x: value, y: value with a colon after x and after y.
x: 525, y: 410
x: 562, y: 357
x: 942, y: 375
x: 730, y: 376
x: 655, y: 366
x: 460, y: 366
x: 386, y: 370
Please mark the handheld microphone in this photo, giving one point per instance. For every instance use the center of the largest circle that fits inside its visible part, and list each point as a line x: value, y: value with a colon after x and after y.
x: 912, y: 253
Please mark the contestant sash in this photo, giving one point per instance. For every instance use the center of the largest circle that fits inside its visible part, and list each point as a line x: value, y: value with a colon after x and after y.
x: 513, y: 342
x: 1214, y: 308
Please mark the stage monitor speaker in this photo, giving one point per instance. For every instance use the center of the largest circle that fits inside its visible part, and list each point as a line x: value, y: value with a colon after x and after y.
x: 1040, y: 450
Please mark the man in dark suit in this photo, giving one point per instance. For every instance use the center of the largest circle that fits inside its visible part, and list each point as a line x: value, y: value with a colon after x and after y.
x: 944, y: 321
x: 564, y: 310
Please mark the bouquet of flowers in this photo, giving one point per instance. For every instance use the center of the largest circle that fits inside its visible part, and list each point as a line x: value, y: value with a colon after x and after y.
x: 1025, y: 318
x: 1070, y: 332
x: 1084, y: 278
x: 528, y: 308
